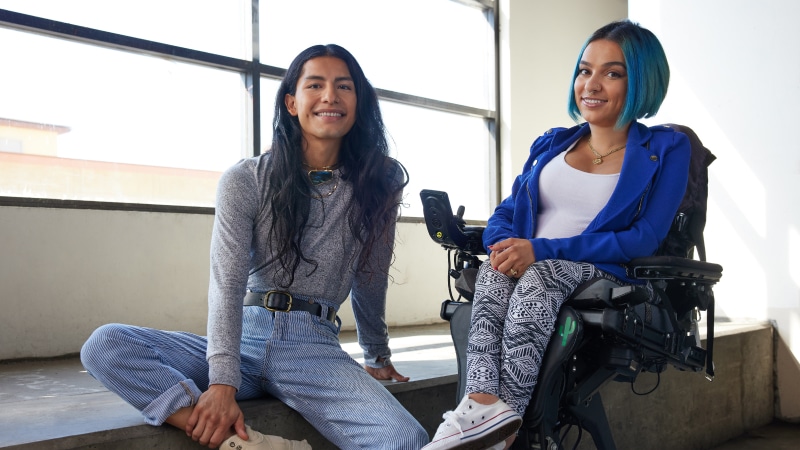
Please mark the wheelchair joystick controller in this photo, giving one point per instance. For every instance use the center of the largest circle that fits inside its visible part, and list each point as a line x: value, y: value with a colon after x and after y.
x: 448, y: 229
x: 460, y: 216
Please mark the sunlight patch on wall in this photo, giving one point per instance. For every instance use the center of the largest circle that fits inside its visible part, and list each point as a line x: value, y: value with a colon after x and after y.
x: 739, y: 182
x: 742, y: 292
x: 794, y: 255
x: 793, y: 336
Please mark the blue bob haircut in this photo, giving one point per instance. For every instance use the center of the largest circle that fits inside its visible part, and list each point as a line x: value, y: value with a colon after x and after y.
x: 646, y: 64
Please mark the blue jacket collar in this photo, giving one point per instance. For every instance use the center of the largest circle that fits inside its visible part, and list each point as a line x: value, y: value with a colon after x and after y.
x: 638, y: 168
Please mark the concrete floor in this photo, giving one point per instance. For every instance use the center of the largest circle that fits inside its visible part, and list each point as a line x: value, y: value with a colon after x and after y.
x: 776, y: 436
x: 36, y: 392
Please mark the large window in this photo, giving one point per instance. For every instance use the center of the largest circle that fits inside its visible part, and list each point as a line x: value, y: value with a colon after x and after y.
x: 147, y: 102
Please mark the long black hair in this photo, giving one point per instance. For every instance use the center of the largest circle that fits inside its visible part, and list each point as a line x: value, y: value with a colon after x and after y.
x: 377, y: 179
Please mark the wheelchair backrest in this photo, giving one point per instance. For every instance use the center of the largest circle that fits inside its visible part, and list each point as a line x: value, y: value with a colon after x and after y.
x: 686, y: 232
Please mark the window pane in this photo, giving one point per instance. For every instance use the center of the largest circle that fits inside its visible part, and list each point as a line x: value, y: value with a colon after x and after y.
x: 269, y: 88
x: 442, y: 151
x: 214, y: 26
x: 85, y: 122
x: 438, y: 49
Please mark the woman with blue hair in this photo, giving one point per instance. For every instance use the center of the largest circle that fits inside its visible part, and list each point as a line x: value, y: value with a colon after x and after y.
x: 590, y: 198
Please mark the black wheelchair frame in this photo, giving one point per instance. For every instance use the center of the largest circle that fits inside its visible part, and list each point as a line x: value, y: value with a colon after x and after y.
x: 604, y: 331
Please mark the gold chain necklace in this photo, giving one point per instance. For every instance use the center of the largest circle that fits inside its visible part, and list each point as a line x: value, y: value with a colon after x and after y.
x: 326, y: 194
x: 598, y: 158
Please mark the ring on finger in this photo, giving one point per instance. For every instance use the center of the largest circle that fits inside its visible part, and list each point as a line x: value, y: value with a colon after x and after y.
x: 513, y: 272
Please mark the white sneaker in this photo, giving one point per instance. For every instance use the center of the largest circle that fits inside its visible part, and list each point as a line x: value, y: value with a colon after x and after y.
x: 258, y: 441
x: 472, y: 426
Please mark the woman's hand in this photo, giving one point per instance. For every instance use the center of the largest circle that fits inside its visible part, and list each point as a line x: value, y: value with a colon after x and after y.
x: 512, y: 256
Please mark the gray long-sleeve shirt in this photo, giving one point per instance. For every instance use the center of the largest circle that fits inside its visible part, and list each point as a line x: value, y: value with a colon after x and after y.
x: 242, y: 259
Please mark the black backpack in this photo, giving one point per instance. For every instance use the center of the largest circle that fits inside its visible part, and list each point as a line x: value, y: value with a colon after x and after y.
x: 686, y: 232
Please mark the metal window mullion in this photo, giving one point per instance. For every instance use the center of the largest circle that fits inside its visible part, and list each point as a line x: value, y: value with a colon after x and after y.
x: 495, y: 189
x: 430, y: 103
x: 483, y: 4
x: 116, y: 41
x: 278, y: 73
x: 254, y: 79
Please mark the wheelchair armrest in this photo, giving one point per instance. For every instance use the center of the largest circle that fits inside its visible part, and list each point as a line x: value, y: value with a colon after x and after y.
x: 604, y: 293
x: 674, y: 268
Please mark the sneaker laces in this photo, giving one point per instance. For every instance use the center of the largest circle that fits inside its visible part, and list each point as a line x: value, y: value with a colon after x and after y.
x: 451, y: 418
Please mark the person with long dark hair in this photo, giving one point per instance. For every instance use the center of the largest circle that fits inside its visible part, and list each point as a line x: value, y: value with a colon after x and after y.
x: 590, y: 198
x: 296, y: 230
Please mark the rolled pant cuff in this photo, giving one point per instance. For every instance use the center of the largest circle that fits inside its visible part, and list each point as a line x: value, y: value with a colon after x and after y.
x: 184, y: 393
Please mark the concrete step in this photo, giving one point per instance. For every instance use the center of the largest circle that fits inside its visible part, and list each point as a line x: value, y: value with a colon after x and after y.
x: 54, y: 404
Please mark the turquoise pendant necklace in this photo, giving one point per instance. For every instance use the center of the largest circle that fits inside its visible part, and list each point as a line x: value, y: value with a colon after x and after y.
x: 321, y: 175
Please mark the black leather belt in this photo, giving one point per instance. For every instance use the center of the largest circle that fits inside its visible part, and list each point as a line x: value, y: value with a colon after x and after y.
x: 284, y: 302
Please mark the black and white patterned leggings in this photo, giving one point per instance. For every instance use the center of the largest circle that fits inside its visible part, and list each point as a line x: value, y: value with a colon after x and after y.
x: 512, y: 321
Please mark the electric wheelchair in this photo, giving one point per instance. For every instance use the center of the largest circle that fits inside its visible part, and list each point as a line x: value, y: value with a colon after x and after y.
x: 604, y: 331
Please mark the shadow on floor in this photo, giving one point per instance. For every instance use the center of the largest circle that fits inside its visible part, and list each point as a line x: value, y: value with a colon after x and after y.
x: 775, y: 436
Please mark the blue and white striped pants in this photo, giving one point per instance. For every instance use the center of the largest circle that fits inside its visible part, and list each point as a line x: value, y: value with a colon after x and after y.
x: 295, y: 357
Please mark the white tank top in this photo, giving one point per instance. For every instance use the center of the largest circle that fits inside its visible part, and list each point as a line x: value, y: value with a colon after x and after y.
x: 569, y: 199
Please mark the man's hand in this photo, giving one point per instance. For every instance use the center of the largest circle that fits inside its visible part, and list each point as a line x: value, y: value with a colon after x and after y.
x: 385, y: 373
x: 215, y: 416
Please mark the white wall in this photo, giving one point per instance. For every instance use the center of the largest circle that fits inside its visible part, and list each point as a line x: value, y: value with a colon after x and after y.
x: 735, y: 81
x: 63, y: 272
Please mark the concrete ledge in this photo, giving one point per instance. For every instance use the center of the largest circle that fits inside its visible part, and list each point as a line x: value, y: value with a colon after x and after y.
x: 686, y: 411
x: 55, y: 406
x: 104, y: 422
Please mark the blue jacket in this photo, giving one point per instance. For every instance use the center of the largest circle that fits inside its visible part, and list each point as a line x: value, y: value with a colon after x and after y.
x: 637, y: 216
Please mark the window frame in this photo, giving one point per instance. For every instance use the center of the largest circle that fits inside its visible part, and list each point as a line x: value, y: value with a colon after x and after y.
x: 252, y: 70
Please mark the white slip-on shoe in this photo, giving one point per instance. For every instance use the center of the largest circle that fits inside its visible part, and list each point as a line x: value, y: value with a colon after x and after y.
x: 259, y: 441
x: 473, y: 426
